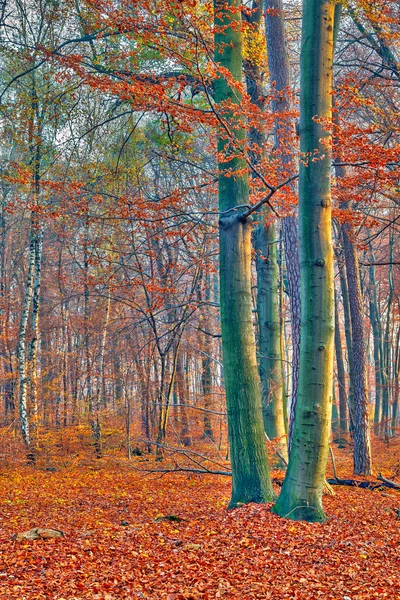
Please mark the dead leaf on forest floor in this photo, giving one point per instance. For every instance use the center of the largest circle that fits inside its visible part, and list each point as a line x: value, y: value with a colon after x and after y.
x: 193, y: 546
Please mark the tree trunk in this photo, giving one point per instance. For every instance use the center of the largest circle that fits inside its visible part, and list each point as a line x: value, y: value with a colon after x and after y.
x: 206, y: 360
x: 375, y: 319
x: 386, y: 347
x: 348, y: 336
x: 183, y: 399
x: 269, y: 335
x: 22, y: 349
x: 250, y: 472
x: 279, y: 72
x: 269, y: 338
x: 396, y: 374
x: 362, y: 444
x: 301, y: 495
x: 94, y: 413
x: 340, y: 373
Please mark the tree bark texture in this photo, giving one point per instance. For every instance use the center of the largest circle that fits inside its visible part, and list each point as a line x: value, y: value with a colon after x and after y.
x: 271, y: 372
x: 362, y: 444
x: 250, y: 471
x: 340, y: 373
x: 279, y: 72
x: 301, y: 495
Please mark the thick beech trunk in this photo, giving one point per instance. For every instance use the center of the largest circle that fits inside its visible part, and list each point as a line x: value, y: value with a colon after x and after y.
x: 250, y: 472
x: 301, y: 495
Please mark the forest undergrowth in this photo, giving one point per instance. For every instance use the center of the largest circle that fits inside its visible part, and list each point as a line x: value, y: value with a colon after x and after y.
x: 131, y: 534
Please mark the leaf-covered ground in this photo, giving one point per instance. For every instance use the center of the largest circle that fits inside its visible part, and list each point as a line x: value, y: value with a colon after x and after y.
x: 118, y: 546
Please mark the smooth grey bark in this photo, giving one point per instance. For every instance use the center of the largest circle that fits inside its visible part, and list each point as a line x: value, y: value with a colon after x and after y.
x: 301, y: 495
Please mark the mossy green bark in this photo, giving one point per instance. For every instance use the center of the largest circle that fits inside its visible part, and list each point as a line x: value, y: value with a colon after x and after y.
x: 301, y: 495
x: 251, y: 480
x: 269, y: 321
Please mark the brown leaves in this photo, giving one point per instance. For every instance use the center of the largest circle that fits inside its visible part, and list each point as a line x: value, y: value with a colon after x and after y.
x: 210, y: 553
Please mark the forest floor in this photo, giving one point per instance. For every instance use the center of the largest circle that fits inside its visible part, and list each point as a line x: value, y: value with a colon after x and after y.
x: 119, y: 545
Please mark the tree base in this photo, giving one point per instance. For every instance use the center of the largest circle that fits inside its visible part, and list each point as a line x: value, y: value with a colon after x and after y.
x: 258, y: 496
x: 298, y: 511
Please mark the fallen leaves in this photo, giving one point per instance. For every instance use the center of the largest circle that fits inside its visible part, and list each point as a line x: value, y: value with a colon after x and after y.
x: 118, y: 548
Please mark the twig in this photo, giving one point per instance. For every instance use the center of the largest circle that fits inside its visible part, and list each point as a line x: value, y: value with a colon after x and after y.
x: 333, y: 462
x: 180, y: 469
x: 388, y: 482
x: 277, y: 452
x: 183, y: 451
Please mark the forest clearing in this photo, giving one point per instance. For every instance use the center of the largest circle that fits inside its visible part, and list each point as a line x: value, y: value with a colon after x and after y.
x: 134, y: 535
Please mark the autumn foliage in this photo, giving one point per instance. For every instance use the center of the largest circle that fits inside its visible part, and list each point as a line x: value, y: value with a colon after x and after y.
x: 129, y: 535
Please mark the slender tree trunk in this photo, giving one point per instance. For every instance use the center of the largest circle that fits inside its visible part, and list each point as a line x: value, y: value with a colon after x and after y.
x: 250, y: 472
x: 22, y: 351
x: 349, y: 339
x: 271, y: 373
x: 301, y: 495
x: 34, y: 342
x: 340, y: 373
x: 279, y: 72
x: 362, y: 444
x: 269, y: 337
x: 385, y: 370
x: 94, y: 414
x: 5, y: 352
x: 101, y: 400
x: 183, y: 398
x: 64, y: 343
x: 375, y: 319
x: 206, y: 360
x: 396, y: 374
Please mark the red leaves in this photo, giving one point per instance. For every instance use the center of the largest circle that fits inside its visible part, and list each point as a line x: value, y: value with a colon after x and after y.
x: 211, y: 553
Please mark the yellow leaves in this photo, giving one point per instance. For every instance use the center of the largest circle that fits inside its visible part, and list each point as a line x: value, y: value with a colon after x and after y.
x: 254, y: 46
